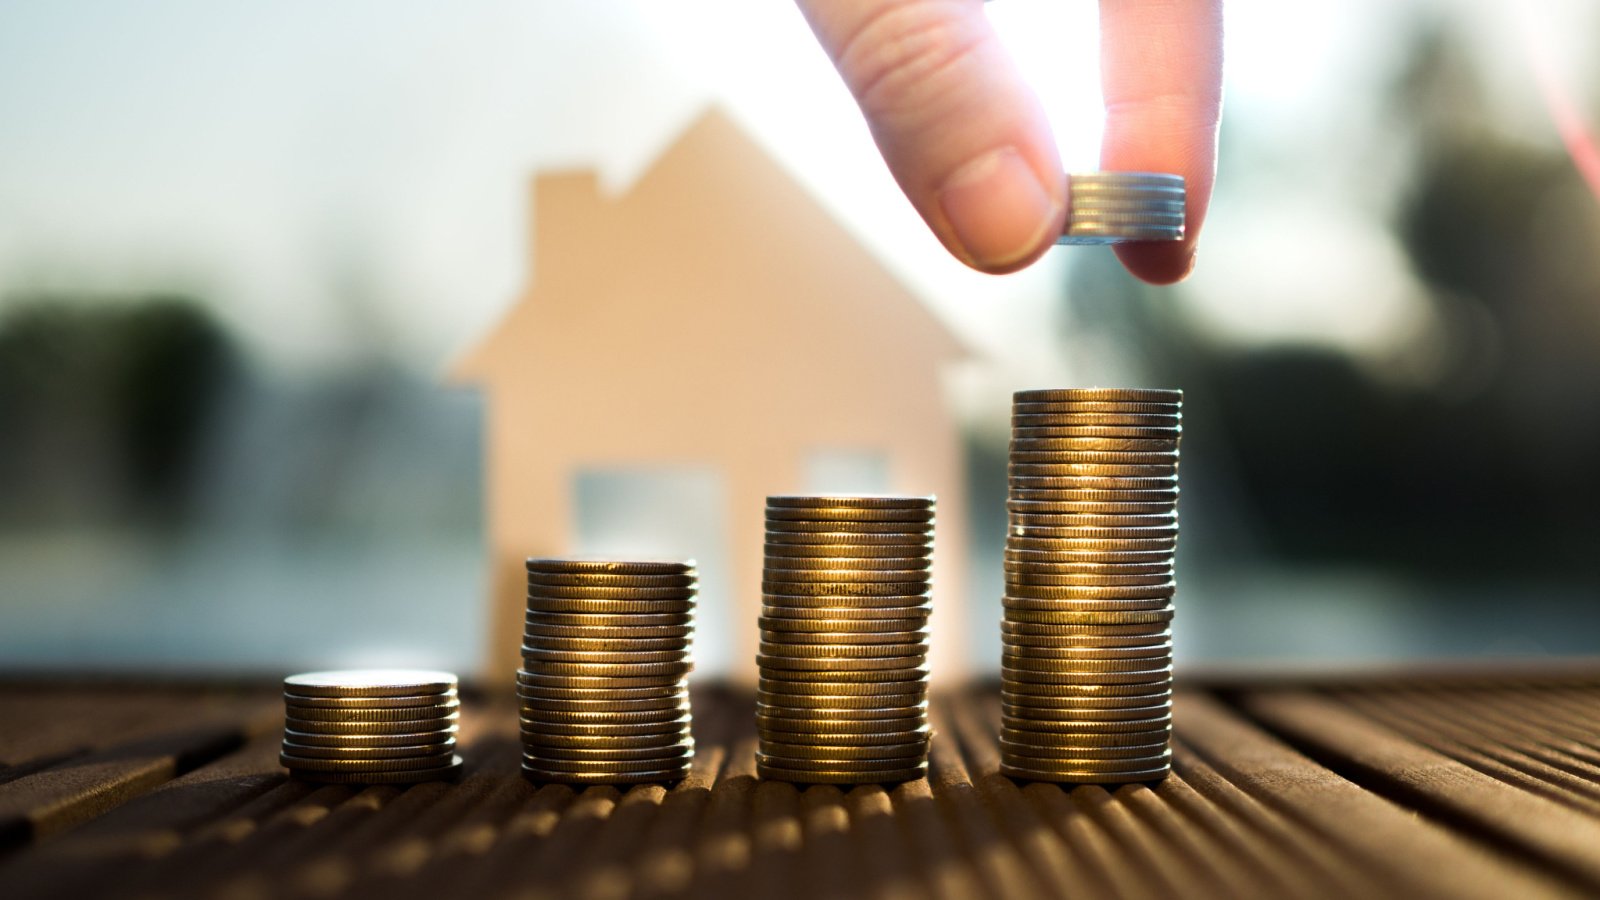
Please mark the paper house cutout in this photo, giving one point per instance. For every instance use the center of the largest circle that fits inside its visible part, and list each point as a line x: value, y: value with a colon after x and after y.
x: 713, y: 316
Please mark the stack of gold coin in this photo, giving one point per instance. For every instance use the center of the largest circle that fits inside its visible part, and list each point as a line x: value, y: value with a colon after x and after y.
x: 1087, y: 641
x: 604, y: 684
x: 1116, y: 207
x: 843, y: 695
x: 371, y: 726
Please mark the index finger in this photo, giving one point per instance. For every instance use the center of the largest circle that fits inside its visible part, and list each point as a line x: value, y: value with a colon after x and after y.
x: 1161, y: 74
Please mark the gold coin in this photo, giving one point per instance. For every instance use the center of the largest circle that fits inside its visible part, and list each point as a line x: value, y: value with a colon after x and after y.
x: 832, y: 690
x: 664, y: 776
x: 816, y: 588
x: 410, y: 776
x: 1050, y: 561
x: 1162, y: 422
x: 1132, y: 694
x: 1140, y: 756
x: 370, y: 683
x: 832, y: 705
x: 842, y: 651
x: 1083, y: 182
x: 659, y: 757
x: 613, y: 682
x: 400, y: 714
x: 850, y: 501
x: 907, y: 661
x: 905, y: 754
x: 905, y: 553
x: 595, y: 579
x: 1138, y: 709
x: 822, y: 568
x: 1080, y: 651
x: 402, y: 739
x: 1105, y: 641
x: 1088, y: 592
x: 1021, y: 726
x: 847, y: 638
x: 654, y: 693
x: 606, y: 657
x: 584, y: 592
x: 1161, y: 675
x: 679, y: 701
x: 582, y: 566
x: 584, y: 767
x: 799, y: 763
x: 403, y: 726
x: 1135, y: 631
x: 1047, y: 500
x: 1079, y: 777
x: 313, y: 764
x: 318, y: 751
x: 1097, y: 618
x: 661, y: 741
x: 879, y: 616
x: 535, y: 729
x: 824, y: 601
x: 602, y: 645
x: 1070, y: 447
x: 609, y: 620
x: 1091, y: 579
x: 680, y: 633
x: 775, y: 575
x: 408, y: 701
x: 912, y: 542
x: 840, y: 776
x: 608, y: 607
x: 855, y: 723
x: 602, y: 717
x: 848, y: 514
x: 1026, y: 604
x: 1095, y: 406
x: 922, y: 530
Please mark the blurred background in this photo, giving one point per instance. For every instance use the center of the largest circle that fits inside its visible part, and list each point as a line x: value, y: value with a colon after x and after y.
x: 240, y: 245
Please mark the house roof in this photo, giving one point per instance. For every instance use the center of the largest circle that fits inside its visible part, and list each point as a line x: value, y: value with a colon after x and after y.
x: 715, y: 232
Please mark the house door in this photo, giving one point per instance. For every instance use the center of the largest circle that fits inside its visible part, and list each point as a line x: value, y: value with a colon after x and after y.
x: 675, y: 513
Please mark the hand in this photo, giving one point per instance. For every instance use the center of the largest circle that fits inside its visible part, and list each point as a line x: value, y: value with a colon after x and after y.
x: 968, y: 141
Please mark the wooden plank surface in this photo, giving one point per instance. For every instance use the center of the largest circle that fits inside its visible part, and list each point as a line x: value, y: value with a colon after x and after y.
x: 1399, y: 787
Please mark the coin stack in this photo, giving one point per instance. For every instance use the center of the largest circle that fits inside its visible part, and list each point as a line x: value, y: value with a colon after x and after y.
x: 372, y: 726
x: 1087, y: 661
x: 843, y: 695
x: 604, y: 684
x: 1114, y: 207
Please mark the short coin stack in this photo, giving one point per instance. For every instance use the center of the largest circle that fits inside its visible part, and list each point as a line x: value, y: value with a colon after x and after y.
x: 843, y: 695
x: 1087, y: 661
x: 604, y: 685
x: 1114, y: 207
x: 371, y: 726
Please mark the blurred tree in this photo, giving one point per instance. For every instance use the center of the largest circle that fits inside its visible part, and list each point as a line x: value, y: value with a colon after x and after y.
x: 103, y: 404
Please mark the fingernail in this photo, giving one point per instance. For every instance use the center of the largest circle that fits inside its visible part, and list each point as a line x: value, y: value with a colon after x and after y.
x: 998, y: 208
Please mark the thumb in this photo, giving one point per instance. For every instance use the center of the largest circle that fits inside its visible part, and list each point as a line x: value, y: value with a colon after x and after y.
x: 963, y: 134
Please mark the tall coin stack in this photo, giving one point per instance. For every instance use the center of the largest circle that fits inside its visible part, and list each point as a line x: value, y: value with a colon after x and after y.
x: 1114, y: 207
x: 604, y: 685
x: 843, y: 695
x: 1087, y: 661
x: 371, y: 726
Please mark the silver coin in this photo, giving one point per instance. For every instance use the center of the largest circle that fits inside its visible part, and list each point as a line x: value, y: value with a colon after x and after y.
x: 851, y: 501
x: 370, y: 683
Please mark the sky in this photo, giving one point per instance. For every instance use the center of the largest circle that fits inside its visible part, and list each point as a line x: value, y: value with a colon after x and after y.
x: 276, y: 157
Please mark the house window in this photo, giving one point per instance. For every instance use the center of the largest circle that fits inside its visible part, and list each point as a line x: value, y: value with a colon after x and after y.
x: 675, y: 513
x: 836, y: 471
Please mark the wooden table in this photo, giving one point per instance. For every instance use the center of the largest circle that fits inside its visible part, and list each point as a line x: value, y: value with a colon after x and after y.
x: 1437, y: 786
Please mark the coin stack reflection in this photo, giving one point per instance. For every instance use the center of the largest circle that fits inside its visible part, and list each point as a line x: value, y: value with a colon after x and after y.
x: 604, y: 685
x: 1087, y: 645
x: 843, y: 692
x: 1115, y: 207
x: 371, y: 726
